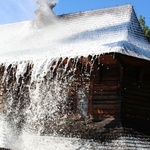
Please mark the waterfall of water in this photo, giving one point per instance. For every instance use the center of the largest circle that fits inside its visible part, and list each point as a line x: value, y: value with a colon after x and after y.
x: 38, y: 101
x: 36, y: 93
x: 3, y: 141
x: 29, y: 93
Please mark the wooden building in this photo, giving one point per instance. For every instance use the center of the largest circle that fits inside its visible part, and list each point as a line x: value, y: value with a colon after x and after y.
x: 119, y: 87
x: 102, y: 54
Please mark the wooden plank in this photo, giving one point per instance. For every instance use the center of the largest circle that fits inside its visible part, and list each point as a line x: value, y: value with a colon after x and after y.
x: 112, y: 112
x: 111, y: 78
x: 107, y: 82
x: 106, y: 106
x: 108, y: 59
x: 136, y: 116
x: 110, y: 71
x: 136, y: 108
x: 130, y: 111
x: 106, y: 86
x: 108, y: 102
x: 131, y: 102
x: 137, y: 87
x: 105, y: 92
x: 106, y: 111
x: 105, y: 101
x: 104, y: 97
x: 136, y: 94
x: 145, y: 85
x: 132, y: 61
x: 136, y: 100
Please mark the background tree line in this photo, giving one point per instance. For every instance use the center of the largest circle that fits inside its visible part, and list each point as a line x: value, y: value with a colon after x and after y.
x: 145, y: 28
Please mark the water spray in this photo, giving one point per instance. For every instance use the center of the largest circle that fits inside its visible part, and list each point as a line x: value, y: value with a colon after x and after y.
x: 44, y: 13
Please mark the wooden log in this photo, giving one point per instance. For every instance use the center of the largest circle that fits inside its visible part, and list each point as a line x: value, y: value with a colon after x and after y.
x: 105, y: 92
x: 137, y: 108
x: 105, y: 97
x: 104, y: 112
x: 106, y: 106
x: 136, y: 94
x: 136, y: 101
x: 137, y: 87
x: 108, y: 102
x: 133, y: 116
x: 108, y: 59
x: 106, y: 86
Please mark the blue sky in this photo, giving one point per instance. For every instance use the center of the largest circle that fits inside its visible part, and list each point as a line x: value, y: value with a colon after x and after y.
x: 21, y: 10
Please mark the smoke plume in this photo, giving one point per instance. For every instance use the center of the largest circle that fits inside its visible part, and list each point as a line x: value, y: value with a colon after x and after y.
x: 44, y: 13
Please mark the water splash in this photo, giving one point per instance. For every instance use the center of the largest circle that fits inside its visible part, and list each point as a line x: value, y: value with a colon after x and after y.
x: 36, y: 93
x: 44, y: 14
x: 37, y: 97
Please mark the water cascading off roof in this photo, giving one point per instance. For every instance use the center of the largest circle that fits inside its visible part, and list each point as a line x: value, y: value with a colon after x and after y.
x: 45, y: 90
x: 35, y: 96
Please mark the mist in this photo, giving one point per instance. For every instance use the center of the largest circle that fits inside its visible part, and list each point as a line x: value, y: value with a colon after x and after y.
x: 44, y: 13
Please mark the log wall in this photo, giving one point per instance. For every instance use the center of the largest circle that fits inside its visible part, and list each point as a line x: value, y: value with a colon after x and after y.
x: 100, y: 76
x: 115, y: 85
x: 136, y: 96
x: 135, y: 106
x: 105, y: 87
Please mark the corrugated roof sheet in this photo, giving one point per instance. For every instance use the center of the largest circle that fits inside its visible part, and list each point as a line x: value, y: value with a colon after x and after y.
x: 92, y: 32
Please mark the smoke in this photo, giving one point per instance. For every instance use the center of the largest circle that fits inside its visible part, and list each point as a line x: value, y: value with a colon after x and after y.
x: 44, y: 13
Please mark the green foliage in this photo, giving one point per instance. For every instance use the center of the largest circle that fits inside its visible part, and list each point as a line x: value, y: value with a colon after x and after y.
x: 145, y: 28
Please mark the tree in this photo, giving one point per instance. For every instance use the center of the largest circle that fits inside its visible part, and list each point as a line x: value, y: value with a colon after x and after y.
x: 145, y: 28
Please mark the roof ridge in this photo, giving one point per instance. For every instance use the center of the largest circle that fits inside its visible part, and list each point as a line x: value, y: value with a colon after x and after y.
x: 97, y: 10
